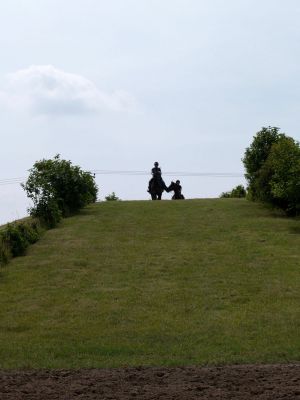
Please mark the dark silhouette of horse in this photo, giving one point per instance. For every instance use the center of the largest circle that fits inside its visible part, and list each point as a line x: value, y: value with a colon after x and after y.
x: 156, y: 187
x: 176, y: 188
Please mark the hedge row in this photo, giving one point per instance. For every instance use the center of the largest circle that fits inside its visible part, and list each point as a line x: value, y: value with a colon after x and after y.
x: 15, y: 237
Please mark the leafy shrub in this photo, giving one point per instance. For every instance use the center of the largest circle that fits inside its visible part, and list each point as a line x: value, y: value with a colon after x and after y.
x: 58, y: 189
x: 254, y: 159
x: 31, y: 231
x: 283, y: 166
x: 47, y: 211
x: 16, y: 237
x: 272, y: 165
x: 237, y: 192
x: 112, y: 197
x: 18, y: 243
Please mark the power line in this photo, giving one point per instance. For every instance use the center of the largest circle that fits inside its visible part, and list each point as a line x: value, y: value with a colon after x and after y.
x: 170, y: 173
x: 12, y: 181
x: 18, y: 180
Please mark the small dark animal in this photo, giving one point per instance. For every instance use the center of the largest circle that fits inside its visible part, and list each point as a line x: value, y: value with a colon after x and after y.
x: 176, y: 188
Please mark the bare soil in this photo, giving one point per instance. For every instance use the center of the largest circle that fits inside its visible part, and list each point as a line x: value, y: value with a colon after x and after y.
x: 226, y: 382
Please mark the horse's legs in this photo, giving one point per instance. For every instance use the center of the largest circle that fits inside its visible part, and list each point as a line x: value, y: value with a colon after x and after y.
x: 153, y: 196
x: 159, y: 196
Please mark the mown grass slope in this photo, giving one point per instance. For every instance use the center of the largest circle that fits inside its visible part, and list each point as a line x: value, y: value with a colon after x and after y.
x: 155, y: 283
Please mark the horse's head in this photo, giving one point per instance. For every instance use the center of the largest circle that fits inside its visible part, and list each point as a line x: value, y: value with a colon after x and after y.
x: 171, y: 186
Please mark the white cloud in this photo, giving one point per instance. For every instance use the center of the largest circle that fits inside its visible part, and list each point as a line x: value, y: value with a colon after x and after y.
x: 44, y: 89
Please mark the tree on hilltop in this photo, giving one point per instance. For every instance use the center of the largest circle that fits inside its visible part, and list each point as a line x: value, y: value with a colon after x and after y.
x: 272, y: 164
x: 254, y: 159
x: 58, y: 189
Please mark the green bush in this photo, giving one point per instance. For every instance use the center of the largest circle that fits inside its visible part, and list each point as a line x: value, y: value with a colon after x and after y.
x: 15, y: 237
x: 237, y: 192
x: 254, y: 159
x: 272, y: 165
x: 47, y: 211
x: 58, y: 189
x: 31, y: 231
x: 283, y: 166
x: 112, y: 197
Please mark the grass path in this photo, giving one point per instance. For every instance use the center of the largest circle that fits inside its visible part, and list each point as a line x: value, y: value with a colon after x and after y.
x: 155, y: 283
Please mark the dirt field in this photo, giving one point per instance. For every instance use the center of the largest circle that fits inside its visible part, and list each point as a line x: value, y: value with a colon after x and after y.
x: 229, y: 382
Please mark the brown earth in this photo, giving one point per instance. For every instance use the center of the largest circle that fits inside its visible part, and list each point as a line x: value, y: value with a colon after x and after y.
x: 228, y: 382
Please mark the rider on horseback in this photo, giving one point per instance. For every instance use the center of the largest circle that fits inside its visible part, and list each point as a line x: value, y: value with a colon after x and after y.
x: 156, y: 171
x: 156, y: 174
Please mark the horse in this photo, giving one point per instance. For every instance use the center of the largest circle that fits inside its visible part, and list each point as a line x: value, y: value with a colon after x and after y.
x: 156, y: 188
x: 177, y: 191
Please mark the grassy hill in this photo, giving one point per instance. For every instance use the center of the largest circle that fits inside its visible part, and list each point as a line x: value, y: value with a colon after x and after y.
x: 155, y: 283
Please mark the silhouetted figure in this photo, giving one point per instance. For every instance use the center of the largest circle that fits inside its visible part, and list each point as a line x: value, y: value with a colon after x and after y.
x: 156, y: 171
x: 176, y: 188
x: 156, y: 184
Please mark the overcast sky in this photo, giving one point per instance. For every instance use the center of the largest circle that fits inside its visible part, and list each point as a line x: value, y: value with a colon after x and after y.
x: 119, y: 84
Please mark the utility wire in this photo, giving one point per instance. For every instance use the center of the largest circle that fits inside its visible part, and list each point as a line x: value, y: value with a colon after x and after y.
x: 18, y: 180
x: 12, y: 181
x: 169, y: 173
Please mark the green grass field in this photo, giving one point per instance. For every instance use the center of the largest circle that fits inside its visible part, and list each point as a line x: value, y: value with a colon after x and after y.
x: 155, y: 283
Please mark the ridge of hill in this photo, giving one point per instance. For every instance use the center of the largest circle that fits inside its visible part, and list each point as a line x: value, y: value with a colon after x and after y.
x: 155, y: 283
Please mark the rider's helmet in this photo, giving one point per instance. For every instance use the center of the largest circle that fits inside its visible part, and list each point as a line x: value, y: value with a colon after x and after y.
x: 178, y: 182
x: 156, y: 163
